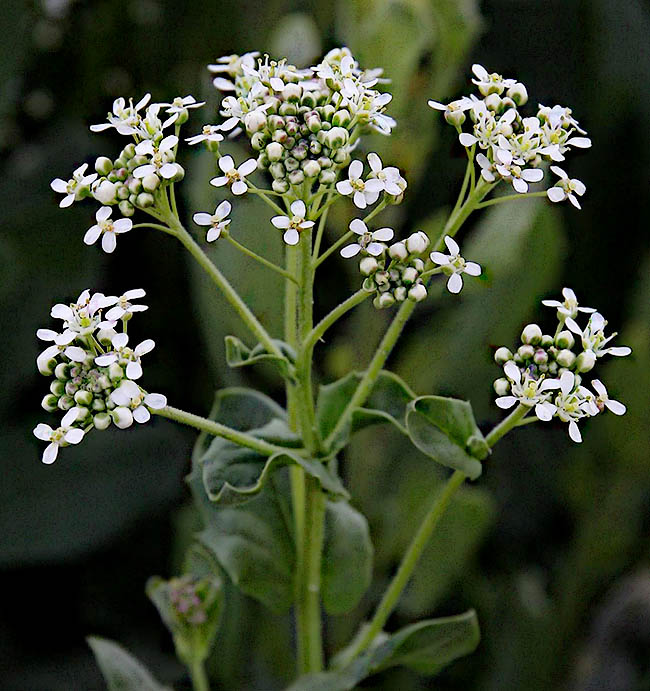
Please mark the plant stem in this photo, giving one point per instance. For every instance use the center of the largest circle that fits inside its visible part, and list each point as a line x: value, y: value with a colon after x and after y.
x: 216, y: 429
x: 265, y: 262
x: 263, y: 196
x: 510, y: 198
x: 317, y: 332
x: 507, y: 424
x: 199, y: 677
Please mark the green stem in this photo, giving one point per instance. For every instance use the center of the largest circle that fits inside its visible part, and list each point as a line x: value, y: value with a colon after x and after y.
x: 507, y: 424
x: 317, y: 332
x: 510, y: 198
x: 319, y: 233
x: 216, y: 429
x: 199, y: 677
x: 265, y: 262
x: 155, y: 226
x: 263, y: 196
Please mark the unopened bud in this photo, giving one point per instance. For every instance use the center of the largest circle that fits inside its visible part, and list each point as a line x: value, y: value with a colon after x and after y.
x: 83, y: 398
x: 115, y: 372
x: 531, y: 334
x: 274, y: 151
x: 455, y: 117
x: 279, y: 186
x: 105, y: 192
x: 296, y: 177
x: 337, y: 137
x: 144, y: 200
x: 45, y: 364
x: 409, y: 275
x: 565, y: 339
x: 311, y: 169
x: 526, y: 352
x: 50, y: 403
x: 501, y: 386
x: 122, y: 417
x: 150, y: 182
x: 327, y: 177
x: 102, y: 421
x: 62, y: 371
x: 383, y: 301
x: 547, y: 341
x: 103, y: 166
x: 565, y: 358
x: 126, y: 208
x: 585, y: 361
x: 417, y: 242
x: 502, y: 355
x: 540, y: 357
x: 492, y: 102
x: 254, y: 121
x: 400, y: 293
x: 368, y: 265
x: 417, y: 292
x: 398, y: 251
x: 518, y: 94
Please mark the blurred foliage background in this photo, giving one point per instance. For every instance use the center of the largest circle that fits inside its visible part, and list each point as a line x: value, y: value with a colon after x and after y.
x: 551, y: 546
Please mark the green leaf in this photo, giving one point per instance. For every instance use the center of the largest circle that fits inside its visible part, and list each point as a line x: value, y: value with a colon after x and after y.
x: 252, y: 542
x: 239, y: 355
x: 445, y: 430
x: 233, y: 474
x: 120, y: 669
x: 425, y: 647
x: 347, y: 558
x: 388, y: 402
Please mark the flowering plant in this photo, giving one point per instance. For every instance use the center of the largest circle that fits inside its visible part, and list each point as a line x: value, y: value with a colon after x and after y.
x: 278, y: 522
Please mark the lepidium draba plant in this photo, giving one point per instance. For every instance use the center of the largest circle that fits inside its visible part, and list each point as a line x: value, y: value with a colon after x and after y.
x: 256, y: 459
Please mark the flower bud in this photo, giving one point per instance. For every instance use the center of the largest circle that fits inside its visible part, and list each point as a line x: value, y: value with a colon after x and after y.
x: 126, y: 208
x: 518, y: 94
x: 311, y: 169
x: 122, y: 417
x: 45, y: 364
x: 179, y: 174
x: 540, y: 357
x: 104, y: 382
x: 279, y: 186
x: 337, y: 137
x: 400, y: 293
x: 83, y: 398
x: 383, y: 301
x: 565, y: 339
x: 258, y: 141
x: 65, y: 402
x: 547, y: 341
x: 368, y: 265
x: 115, y: 372
x: 398, y: 251
x: 50, y: 403
x: 274, y: 151
x: 526, y: 352
x: 585, y: 361
x: 150, y: 182
x: 102, y: 421
x: 254, y: 121
x: 98, y: 405
x: 325, y: 162
x: 296, y: 177
x: 292, y: 93
x: 290, y: 163
x: 417, y: 242
x: 144, y: 200
x: 493, y: 101
x: 103, y: 166
x: 341, y: 118
x: 288, y: 108
x: 531, y: 334
x: 409, y: 275
x: 502, y: 355
x: 417, y: 292
x: 62, y: 371
x: 342, y: 157
x: 455, y: 117
x: 501, y: 386
x: 327, y: 177
x: 417, y: 264
x: 105, y: 192
x: 565, y: 358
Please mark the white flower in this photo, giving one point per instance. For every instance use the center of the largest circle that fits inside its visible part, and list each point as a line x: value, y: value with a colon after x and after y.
x: 105, y: 192
x: 458, y: 106
x: 125, y: 119
x: 364, y: 193
x: 123, y: 307
x: 568, y: 308
x: 83, y: 317
x: 73, y: 186
x: 573, y: 403
x: 518, y: 176
x: 566, y: 188
x: 217, y: 220
x: 394, y: 183
x: 594, y: 339
x: 107, y: 228
x: 123, y: 354
x: 454, y: 265
x: 231, y: 65
x: 488, y: 168
x: 209, y: 133
x: 151, y: 126
x: 556, y: 141
x: 604, y: 401
x: 62, y: 436
x: 490, y: 83
x: 179, y: 105
x: 529, y: 392
x: 368, y: 241
x: 61, y: 344
x: 234, y: 177
x: 487, y: 128
x: 161, y: 155
x: 292, y: 225
x: 129, y: 394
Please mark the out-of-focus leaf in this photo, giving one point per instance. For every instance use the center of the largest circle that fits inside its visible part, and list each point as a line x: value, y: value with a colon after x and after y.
x: 238, y: 355
x: 121, y: 670
x: 347, y: 558
x: 297, y: 38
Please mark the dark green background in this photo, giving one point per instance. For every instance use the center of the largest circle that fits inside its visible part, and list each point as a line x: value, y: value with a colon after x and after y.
x: 551, y: 547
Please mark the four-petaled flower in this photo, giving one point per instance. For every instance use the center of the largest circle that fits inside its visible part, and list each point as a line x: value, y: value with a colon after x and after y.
x: 568, y: 308
x: 61, y: 436
x: 364, y: 193
x: 234, y: 177
x: 573, y: 403
x: 125, y: 119
x: 510, y: 169
x: 594, y: 339
x: 604, y: 401
x: 394, y: 183
x: 123, y: 307
x: 209, y: 133
x: 179, y: 105
x: 529, y: 391
x: 130, y: 395
x: 161, y: 156
x: 454, y: 265
x: 122, y: 353
x: 73, y: 186
x: 490, y: 83
x: 61, y: 344
x: 107, y: 228
x: 566, y: 188
x: 369, y: 241
x: 292, y: 225
x: 217, y: 220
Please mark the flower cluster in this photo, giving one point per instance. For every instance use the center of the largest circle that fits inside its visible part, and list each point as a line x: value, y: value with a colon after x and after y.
x: 546, y: 372
x: 513, y: 147
x: 302, y: 123
x: 94, y: 369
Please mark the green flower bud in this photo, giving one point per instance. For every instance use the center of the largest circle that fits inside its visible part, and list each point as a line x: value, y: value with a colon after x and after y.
x: 102, y: 421
x: 531, y: 334
x: 418, y: 292
x: 455, y: 117
x: 417, y: 264
x: 585, y: 361
x: 398, y: 251
x: 409, y: 275
x: 337, y: 137
x: 565, y: 339
x: 315, y: 147
x: 279, y: 186
x: 299, y: 152
x: 122, y: 192
x: 383, y: 301
x: 144, y: 200
x: 342, y: 157
x: 254, y: 121
x: 62, y: 371
x: 501, y: 386
x: 258, y: 141
x: 71, y: 388
x: 368, y: 265
x: 290, y: 163
x: 292, y: 127
x: 502, y: 355
x: 121, y: 174
x: 104, y: 382
x: 327, y: 177
x: 50, y: 403
x: 493, y: 101
x: 400, y: 293
x: 98, y: 405
x: 83, y: 398
x: 274, y: 151
x: 341, y: 118
x: 179, y: 174
x: 417, y: 243
x: 540, y: 357
x: 103, y: 166
x: 325, y: 162
x: 288, y: 109
x: 526, y: 352
x: 292, y: 93
x: 277, y: 170
x: 128, y: 151
x: 57, y: 387
x: 150, y: 182
x: 308, y: 99
x: 115, y: 372
x: 275, y: 122
x: 296, y: 177
x: 65, y: 402
x: 547, y: 341
x: 327, y: 112
x: 518, y: 94
x: 120, y: 163
x: 311, y: 169
x: 565, y: 358
x: 280, y: 136
x: 122, y: 417
x: 126, y: 208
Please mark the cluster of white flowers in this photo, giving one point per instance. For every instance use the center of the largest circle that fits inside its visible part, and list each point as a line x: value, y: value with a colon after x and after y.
x: 546, y: 372
x: 513, y: 147
x: 94, y: 370
x: 144, y: 165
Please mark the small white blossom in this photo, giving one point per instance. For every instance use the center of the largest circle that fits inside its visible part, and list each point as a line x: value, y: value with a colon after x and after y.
x: 217, y: 221
x: 394, y: 183
x: 209, y: 133
x: 594, y: 339
x: 61, y: 436
x: 454, y: 265
x: 490, y: 83
x: 107, y: 229
x: 82, y: 317
x: 73, y: 186
x: 566, y: 188
x: 179, y: 105
x: 568, y: 308
x: 234, y: 177
x: 487, y: 128
x: 122, y: 353
x: 369, y: 241
x: 528, y: 391
x: 105, y: 192
x: 161, y: 156
x: 231, y: 65
x: 604, y: 401
x: 518, y: 176
x: 363, y: 193
x: 573, y: 403
x: 123, y: 307
x: 129, y: 395
x: 61, y: 344
x: 292, y: 225
x: 125, y: 119
x: 458, y: 106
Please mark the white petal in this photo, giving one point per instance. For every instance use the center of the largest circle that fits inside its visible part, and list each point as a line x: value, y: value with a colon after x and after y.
x: 452, y: 245
x: 168, y: 171
x: 66, y: 201
x: 520, y: 185
x: 559, y: 172
x: 145, y: 148
x: 466, y: 139
x: 59, y: 185
x: 480, y: 72
x: 549, y: 384
x: 574, y: 432
x: 356, y: 169
x: 74, y: 436
x: 350, y: 250
x: 213, y: 234
x: 358, y: 226
x: 455, y: 283
x: 567, y: 380
x: 599, y: 387
x: 505, y: 402
x: 532, y: 174
x: 552, y: 303
x: 202, y: 219
x: 360, y: 200
x: 92, y: 234
x: 141, y: 414
x: 43, y: 431
x: 239, y: 187
x: 226, y: 163
x: 46, y: 334
x: 223, y: 210
x: 572, y: 326
x: 574, y: 200
x: 580, y: 187
x: 375, y: 249
x: 50, y: 453
x: 580, y: 142
x: 105, y: 360
x: 344, y: 187
x: 75, y: 353
x: 134, y: 370
x: 436, y: 106
x: 60, y: 311
x: 545, y: 411
x: 281, y: 222
x: 616, y: 407
x: 619, y: 351
x: 375, y: 162
x: 123, y: 225
x: 307, y: 224
x: 156, y: 401
x: 291, y: 237
x: 145, y: 347
x: 298, y: 208
x: 374, y: 186
x: 383, y: 234
x: 168, y: 143
x: 439, y: 258
x: 219, y: 182
x: 556, y: 194
x: 70, y: 417
x: 512, y: 371
x: 472, y: 269
x: 247, y: 167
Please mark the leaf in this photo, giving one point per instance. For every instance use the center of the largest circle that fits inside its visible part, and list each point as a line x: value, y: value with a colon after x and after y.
x: 347, y: 558
x: 445, y: 430
x: 120, y: 669
x: 387, y: 402
x: 253, y: 542
x: 239, y: 355
x: 233, y: 474
x: 425, y: 647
